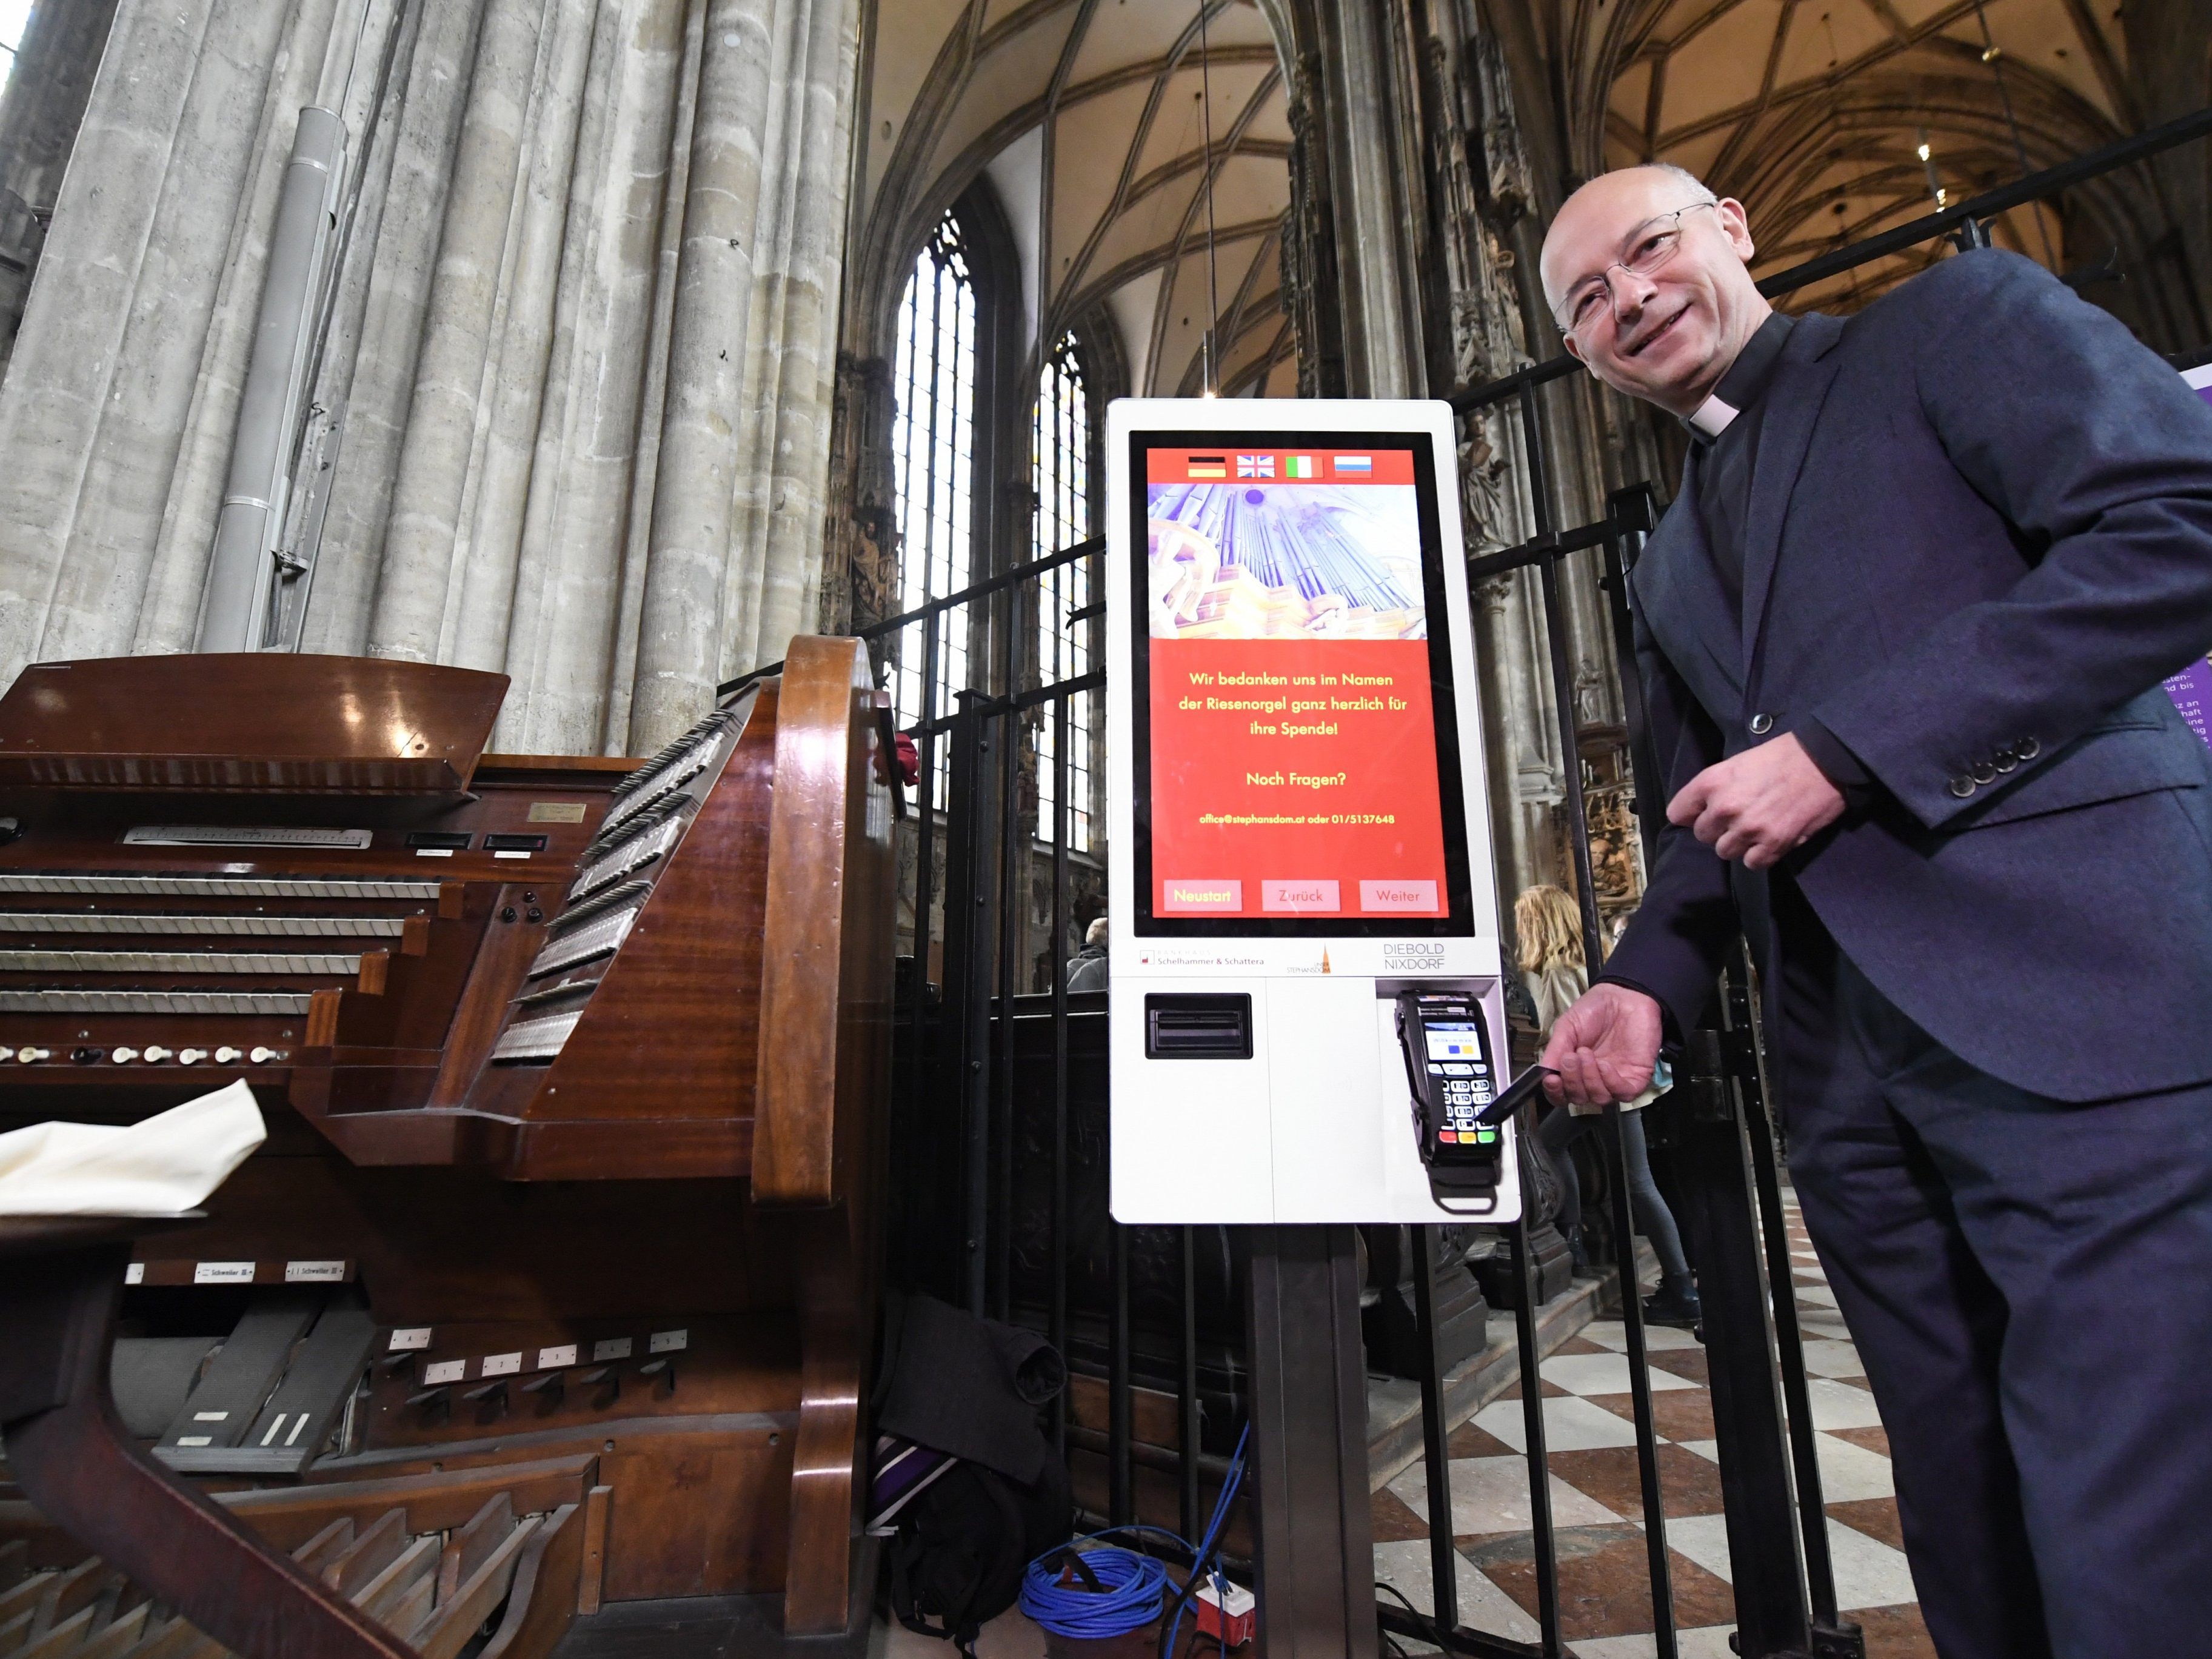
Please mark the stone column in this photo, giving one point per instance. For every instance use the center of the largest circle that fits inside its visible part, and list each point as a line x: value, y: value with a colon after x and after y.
x: 1382, y: 346
x: 791, y: 382
x: 385, y: 299
x: 560, y: 634
x: 749, y: 366
x: 693, y: 505
x: 412, y: 606
x: 39, y: 119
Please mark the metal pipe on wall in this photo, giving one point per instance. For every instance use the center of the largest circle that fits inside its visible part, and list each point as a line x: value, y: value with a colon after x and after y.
x: 242, y: 566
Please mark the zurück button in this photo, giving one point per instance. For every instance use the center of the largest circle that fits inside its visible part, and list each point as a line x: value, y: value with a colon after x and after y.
x: 1300, y: 898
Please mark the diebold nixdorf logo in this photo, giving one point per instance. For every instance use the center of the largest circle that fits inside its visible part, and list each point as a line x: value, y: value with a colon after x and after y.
x: 1423, y: 953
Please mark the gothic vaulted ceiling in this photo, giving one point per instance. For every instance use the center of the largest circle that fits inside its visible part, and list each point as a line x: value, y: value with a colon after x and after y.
x: 1814, y: 112
x: 1147, y: 176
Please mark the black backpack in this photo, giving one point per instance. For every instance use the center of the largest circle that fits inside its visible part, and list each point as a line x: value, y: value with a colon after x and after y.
x: 961, y: 1546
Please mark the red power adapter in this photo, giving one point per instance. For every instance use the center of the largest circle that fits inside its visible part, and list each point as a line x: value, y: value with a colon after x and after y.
x: 1225, y: 1613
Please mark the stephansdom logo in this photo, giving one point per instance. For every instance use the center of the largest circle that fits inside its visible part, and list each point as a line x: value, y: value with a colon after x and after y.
x: 1422, y: 953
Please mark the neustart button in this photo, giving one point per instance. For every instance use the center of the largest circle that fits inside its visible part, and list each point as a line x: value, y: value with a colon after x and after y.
x: 1409, y: 896
x: 1200, y: 897
x: 1301, y: 897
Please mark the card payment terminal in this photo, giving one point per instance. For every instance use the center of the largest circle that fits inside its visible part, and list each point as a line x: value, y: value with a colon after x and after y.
x: 1449, y: 1067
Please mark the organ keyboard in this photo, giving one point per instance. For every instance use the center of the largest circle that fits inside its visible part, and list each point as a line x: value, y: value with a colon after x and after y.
x: 572, y: 1070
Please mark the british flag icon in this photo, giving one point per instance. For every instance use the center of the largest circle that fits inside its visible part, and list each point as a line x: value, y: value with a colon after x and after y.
x: 1255, y: 466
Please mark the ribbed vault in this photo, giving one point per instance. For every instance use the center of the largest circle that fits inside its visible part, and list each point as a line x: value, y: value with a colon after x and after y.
x: 1814, y: 112
x: 1092, y: 123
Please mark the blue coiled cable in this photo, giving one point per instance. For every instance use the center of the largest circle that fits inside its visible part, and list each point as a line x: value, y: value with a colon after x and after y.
x: 1132, y: 1586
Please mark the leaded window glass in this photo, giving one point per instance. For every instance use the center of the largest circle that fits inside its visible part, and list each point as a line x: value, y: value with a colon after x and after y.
x: 1061, y: 474
x: 933, y: 448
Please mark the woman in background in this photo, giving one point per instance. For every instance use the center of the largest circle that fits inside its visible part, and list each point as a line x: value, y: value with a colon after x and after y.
x: 1549, y: 929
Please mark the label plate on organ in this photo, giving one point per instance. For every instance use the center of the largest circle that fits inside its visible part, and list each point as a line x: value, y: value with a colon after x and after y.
x: 501, y: 1364
x: 445, y: 1370
x: 409, y: 1338
x: 668, y: 1341
x: 223, y: 1272
x: 243, y: 835
x: 615, y: 1348
x: 556, y: 811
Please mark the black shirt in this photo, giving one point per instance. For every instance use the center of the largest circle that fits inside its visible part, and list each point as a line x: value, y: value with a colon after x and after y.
x: 1726, y: 462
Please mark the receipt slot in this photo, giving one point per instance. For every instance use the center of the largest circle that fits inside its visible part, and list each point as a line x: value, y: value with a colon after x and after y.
x: 1302, y: 911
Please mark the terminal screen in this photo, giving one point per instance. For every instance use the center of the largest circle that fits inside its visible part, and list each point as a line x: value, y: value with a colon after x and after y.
x: 1453, y: 1042
x: 1297, y: 768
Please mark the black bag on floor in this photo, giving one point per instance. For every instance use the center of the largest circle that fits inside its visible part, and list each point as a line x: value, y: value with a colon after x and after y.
x: 970, y: 1388
x: 962, y: 1545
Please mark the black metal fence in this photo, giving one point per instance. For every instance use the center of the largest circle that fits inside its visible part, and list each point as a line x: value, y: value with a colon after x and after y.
x: 999, y: 1133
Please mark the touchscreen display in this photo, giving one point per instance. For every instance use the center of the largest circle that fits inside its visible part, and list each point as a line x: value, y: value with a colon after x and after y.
x: 1291, y: 762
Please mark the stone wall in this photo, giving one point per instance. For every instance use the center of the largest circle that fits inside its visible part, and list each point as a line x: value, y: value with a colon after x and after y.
x: 580, y: 353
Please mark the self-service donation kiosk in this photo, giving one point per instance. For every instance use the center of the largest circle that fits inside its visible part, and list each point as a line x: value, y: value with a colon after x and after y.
x: 1306, y: 1014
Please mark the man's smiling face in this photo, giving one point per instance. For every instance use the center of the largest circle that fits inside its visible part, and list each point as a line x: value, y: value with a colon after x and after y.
x: 1666, y: 335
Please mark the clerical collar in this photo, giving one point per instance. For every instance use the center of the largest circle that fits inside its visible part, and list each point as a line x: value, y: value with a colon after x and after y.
x: 1746, y: 381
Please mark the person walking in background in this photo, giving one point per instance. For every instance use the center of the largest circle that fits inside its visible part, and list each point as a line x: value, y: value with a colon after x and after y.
x: 1550, y: 931
x: 1087, y: 969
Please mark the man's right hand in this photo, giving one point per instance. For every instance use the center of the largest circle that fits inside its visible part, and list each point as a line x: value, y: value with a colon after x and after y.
x: 1605, y: 1048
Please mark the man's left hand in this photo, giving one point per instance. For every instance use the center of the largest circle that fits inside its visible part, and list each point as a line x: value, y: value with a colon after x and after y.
x: 1759, y: 805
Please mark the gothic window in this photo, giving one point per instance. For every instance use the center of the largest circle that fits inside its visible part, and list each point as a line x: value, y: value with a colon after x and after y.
x: 933, y: 449
x: 1061, y: 476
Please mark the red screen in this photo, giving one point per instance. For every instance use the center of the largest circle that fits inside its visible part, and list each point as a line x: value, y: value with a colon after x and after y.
x: 1292, y: 734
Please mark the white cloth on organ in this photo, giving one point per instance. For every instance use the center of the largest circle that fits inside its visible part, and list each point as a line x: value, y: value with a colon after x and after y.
x: 165, y: 1166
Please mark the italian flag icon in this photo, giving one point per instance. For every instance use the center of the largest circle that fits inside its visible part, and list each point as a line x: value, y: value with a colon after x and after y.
x: 1298, y: 466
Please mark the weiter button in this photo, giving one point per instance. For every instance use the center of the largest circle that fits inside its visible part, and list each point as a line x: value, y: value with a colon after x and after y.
x: 1190, y: 898
x: 1301, y: 897
x: 1411, y: 897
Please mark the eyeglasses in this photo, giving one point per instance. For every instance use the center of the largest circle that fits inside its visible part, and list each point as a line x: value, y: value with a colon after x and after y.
x: 1649, y: 246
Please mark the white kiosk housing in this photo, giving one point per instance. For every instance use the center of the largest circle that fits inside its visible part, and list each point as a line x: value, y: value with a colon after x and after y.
x: 1298, y: 829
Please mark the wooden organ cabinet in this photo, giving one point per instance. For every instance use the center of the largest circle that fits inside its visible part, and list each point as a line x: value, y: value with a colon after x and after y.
x: 556, y: 1265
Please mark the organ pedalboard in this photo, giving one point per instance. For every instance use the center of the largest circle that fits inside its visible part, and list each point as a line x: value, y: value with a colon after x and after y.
x: 572, y: 1071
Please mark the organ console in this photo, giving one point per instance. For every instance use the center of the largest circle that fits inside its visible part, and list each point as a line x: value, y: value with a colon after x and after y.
x: 553, y: 1277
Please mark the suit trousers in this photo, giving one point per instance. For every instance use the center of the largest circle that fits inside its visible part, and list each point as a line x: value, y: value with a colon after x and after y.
x: 2029, y: 1283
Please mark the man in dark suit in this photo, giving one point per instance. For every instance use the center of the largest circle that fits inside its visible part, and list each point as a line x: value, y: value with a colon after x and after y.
x: 1901, y: 637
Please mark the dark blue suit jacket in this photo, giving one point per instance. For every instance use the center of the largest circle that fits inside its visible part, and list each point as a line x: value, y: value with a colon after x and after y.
x: 1979, y: 535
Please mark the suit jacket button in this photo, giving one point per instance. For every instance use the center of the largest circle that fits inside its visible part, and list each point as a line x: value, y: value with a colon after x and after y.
x: 1761, y: 724
x: 2027, y: 749
x: 1962, y: 787
x: 2006, y: 760
x: 1983, y: 771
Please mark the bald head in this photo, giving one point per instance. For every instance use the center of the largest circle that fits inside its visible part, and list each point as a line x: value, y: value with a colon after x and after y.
x: 1648, y: 274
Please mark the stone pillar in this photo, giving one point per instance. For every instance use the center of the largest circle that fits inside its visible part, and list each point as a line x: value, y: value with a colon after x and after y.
x: 1375, y: 246
x: 39, y: 116
x: 748, y: 280
x: 384, y: 299
x: 452, y: 373
x: 693, y: 502
x: 539, y: 294
x: 567, y: 610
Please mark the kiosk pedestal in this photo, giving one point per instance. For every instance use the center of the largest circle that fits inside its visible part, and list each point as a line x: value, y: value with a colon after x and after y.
x: 1314, y: 1531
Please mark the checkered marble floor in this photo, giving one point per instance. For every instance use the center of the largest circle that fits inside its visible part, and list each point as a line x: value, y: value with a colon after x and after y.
x: 1605, y: 1598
